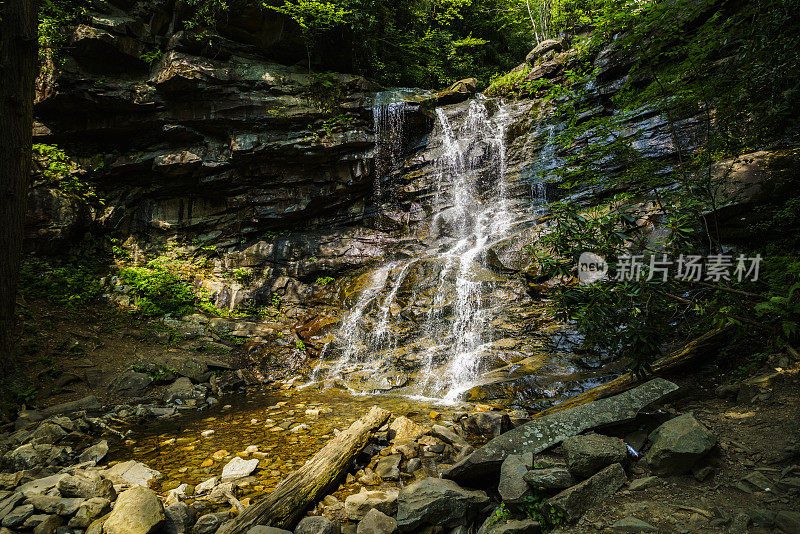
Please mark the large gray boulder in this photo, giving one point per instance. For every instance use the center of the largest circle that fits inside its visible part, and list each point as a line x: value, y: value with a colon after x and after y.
x: 317, y: 525
x: 512, y: 487
x: 357, y: 506
x: 376, y: 522
x: 678, y: 444
x: 137, y: 511
x: 482, y: 466
x: 517, y: 526
x: 50, y: 504
x: 95, y: 453
x: 437, y: 502
x: 586, y: 455
x: 574, y: 501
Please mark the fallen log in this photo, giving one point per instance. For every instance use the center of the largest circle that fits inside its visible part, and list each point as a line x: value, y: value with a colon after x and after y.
x: 304, y: 487
x: 702, y: 345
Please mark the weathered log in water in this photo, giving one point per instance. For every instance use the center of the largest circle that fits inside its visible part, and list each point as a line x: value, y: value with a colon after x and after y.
x: 690, y: 352
x: 302, y: 488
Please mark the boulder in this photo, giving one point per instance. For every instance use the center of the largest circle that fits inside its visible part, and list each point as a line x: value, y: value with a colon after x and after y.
x: 487, y: 423
x: 209, y: 523
x: 483, y: 465
x: 574, y: 501
x: 788, y: 521
x: 448, y: 436
x: 512, y: 487
x: 16, y: 517
x: 179, y: 518
x: 132, y: 473
x: 437, y: 502
x: 316, y: 525
x: 678, y: 444
x: 181, y: 389
x: 95, y: 453
x: 89, y: 511
x: 542, y: 48
x: 238, y: 468
x: 48, y: 525
x: 404, y: 429
x: 357, y: 506
x: 376, y: 522
x: 41, y: 485
x: 50, y: 504
x: 137, y: 511
x: 47, y: 433
x: 86, y: 485
x: 552, y: 478
x: 87, y: 404
x: 588, y: 454
x: 388, y: 467
x: 467, y: 85
x: 130, y: 384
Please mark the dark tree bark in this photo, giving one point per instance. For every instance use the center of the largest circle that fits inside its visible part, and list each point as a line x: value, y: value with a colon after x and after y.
x: 18, y: 67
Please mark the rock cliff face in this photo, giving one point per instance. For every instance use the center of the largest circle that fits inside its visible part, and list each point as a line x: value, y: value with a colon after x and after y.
x: 217, y: 148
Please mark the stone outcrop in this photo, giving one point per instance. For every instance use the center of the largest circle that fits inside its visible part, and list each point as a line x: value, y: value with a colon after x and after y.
x: 482, y: 466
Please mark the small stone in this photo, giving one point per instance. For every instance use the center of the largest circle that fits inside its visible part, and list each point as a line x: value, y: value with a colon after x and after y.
x: 238, y: 468
x: 55, y: 505
x: 632, y: 524
x: 179, y: 518
x: 48, y: 525
x: 642, y: 483
x: 206, y: 486
x: 209, y: 523
x: 404, y: 429
x: 89, y: 511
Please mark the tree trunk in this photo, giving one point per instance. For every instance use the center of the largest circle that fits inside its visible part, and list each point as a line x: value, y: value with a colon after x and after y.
x: 304, y: 487
x: 18, y: 65
x: 702, y: 346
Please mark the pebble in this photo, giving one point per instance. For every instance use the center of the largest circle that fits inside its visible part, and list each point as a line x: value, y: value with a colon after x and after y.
x: 206, y: 433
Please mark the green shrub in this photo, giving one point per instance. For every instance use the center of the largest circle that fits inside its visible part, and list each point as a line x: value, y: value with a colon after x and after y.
x: 158, y: 290
x: 243, y: 276
x: 323, y: 281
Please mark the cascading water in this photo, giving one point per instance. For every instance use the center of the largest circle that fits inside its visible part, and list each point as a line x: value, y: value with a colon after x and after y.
x: 439, y: 338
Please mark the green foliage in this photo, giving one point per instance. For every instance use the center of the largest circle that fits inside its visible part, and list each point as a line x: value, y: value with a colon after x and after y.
x: 243, y: 276
x: 323, y: 281
x: 152, y: 56
x: 300, y: 345
x: 158, y: 289
x: 71, y: 280
x: 55, y: 19
x: 325, y: 91
x: 58, y: 169
x: 500, y: 515
x: 205, y: 14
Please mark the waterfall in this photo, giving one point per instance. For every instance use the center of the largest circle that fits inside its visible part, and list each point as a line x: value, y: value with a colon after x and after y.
x: 446, y: 290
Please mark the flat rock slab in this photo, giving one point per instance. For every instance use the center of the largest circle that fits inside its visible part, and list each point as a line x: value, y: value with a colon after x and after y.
x: 482, y: 466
